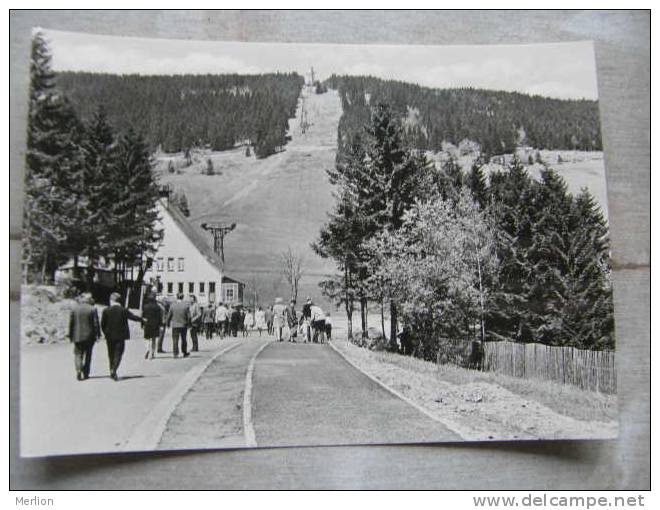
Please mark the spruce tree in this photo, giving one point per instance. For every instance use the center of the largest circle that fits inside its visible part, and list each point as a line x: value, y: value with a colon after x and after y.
x: 551, y: 239
x: 393, y: 174
x: 53, y: 166
x: 512, y: 204
x: 476, y: 182
x: 340, y: 239
x: 579, y: 300
x: 133, y: 233
x: 97, y: 189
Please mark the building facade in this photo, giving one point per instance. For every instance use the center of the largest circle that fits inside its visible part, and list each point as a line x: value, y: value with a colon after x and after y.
x: 185, y: 264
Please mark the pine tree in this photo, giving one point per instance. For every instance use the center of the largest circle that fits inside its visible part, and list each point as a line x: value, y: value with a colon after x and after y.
x: 578, y: 300
x: 551, y: 232
x: 98, y: 187
x: 512, y: 202
x: 53, y: 165
x: 476, y: 182
x: 342, y: 237
x: 449, y: 179
x: 133, y: 233
x: 393, y: 174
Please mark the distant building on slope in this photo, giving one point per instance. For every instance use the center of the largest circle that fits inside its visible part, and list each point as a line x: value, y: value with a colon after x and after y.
x: 185, y: 263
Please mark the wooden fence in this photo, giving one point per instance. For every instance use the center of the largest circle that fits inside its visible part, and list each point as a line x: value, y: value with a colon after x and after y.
x: 588, y: 370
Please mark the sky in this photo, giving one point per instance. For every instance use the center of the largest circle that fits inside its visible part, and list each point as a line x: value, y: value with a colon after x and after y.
x: 560, y: 70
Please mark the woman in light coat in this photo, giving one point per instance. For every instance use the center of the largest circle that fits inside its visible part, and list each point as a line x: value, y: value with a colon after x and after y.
x: 278, y: 318
x: 260, y: 320
x: 248, y: 322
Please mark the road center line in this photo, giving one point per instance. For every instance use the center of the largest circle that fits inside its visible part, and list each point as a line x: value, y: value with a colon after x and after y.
x: 149, y: 431
x: 248, y: 425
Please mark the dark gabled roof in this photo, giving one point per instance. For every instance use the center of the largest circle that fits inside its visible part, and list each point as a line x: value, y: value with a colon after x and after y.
x: 193, y: 235
x: 226, y: 279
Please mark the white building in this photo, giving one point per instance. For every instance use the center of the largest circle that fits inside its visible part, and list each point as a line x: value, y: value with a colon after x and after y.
x: 185, y: 263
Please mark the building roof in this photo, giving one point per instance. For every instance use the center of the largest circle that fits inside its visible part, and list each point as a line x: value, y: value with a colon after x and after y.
x: 226, y: 279
x: 192, y: 234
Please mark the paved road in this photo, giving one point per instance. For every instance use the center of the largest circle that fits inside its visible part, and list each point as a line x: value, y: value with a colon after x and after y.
x: 306, y: 394
x: 300, y: 395
x: 60, y: 415
x: 210, y: 415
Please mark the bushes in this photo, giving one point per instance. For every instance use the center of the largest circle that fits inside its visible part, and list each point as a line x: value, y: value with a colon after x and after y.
x: 373, y: 340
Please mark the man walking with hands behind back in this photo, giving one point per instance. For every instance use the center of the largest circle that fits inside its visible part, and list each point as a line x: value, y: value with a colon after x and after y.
x: 195, y: 321
x: 83, y: 332
x: 179, y: 318
x: 114, y: 324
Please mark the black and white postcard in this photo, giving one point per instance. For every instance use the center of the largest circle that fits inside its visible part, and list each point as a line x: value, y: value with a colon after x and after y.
x: 231, y: 245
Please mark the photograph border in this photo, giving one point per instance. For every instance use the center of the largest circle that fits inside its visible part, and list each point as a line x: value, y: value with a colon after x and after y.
x: 625, y: 123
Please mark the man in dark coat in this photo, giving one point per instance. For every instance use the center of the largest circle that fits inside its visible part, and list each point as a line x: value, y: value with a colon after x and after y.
x: 164, y: 308
x: 269, y: 319
x: 291, y: 319
x: 195, y: 321
x: 179, y: 318
x: 152, y: 315
x: 83, y: 332
x: 114, y: 324
x: 307, y: 319
x: 234, y: 319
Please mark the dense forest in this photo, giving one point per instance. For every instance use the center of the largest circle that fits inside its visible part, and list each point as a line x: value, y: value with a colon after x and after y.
x: 89, y: 191
x: 459, y: 255
x: 498, y: 121
x: 176, y: 113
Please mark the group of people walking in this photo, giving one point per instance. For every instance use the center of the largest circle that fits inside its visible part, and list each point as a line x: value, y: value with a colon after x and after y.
x: 312, y: 324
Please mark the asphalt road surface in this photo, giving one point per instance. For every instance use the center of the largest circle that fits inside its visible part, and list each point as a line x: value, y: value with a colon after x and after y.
x: 210, y: 415
x: 60, y: 415
x: 307, y: 394
x: 298, y: 394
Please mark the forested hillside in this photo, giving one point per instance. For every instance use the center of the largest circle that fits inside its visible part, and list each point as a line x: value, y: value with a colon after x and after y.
x: 176, y: 113
x: 498, y: 121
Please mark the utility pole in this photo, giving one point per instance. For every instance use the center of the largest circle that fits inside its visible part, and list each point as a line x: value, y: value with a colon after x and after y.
x: 219, y: 231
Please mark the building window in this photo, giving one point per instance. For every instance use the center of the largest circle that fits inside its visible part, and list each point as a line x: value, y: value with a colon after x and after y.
x: 230, y: 293
x: 170, y: 287
x: 201, y: 288
x: 180, y: 288
x: 191, y: 287
x: 180, y: 264
x: 159, y: 264
x: 211, y: 291
x: 170, y: 264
